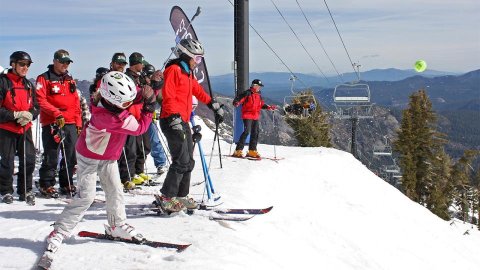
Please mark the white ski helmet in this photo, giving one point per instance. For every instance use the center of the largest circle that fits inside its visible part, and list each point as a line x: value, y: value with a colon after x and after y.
x: 118, y: 89
x: 191, y: 47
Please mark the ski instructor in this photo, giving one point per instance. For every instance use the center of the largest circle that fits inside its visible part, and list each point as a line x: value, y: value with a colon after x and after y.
x: 180, y: 85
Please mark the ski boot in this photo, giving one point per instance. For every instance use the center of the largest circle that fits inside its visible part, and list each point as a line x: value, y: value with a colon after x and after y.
x: 128, y: 185
x: 168, y: 205
x: 253, y: 154
x: 138, y: 180
x: 69, y: 191
x: 124, y: 231
x: 29, y: 198
x: 7, y: 198
x: 161, y: 169
x: 54, y: 240
x: 189, y: 203
x: 49, y: 192
x: 238, y: 154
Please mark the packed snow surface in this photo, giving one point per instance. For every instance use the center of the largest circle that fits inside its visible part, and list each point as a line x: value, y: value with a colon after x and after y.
x: 329, y: 212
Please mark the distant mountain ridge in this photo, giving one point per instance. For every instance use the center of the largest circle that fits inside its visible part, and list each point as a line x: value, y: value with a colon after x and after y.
x: 280, y: 81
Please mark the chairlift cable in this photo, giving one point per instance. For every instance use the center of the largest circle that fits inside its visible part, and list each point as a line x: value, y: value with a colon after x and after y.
x: 303, y: 46
x: 343, y: 43
x: 274, y: 52
x: 319, y: 42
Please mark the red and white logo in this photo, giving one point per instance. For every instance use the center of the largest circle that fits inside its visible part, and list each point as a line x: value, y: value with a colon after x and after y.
x: 56, y: 89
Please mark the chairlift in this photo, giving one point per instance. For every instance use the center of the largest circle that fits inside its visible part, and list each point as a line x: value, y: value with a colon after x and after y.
x: 351, y: 93
x: 383, y: 150
x: 395, y: 169
x: 300, y: 105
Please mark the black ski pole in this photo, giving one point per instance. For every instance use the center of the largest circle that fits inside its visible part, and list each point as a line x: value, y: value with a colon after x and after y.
x: 62, y: 134
x: 24, y: 165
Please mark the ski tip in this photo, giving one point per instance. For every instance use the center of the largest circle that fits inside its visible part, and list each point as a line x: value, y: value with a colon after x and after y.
x: 266, y: 210
x: 86, y: 234
x: 181, y: 248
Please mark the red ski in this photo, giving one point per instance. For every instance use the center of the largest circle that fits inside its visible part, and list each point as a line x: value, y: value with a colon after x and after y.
x: 155, y: 244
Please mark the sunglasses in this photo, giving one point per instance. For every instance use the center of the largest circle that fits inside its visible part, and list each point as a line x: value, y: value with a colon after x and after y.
x: 22, y: 64
x: 64, y: 62
x: 198, y: 58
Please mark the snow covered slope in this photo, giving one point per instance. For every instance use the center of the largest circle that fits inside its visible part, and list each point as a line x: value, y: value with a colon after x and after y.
x: 329, y: 212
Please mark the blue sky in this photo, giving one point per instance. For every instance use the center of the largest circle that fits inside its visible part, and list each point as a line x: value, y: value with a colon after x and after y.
x: 377, y: 33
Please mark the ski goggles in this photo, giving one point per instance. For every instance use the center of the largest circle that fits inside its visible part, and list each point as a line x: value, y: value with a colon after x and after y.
x: 198, y: 58
x: 126, y: 104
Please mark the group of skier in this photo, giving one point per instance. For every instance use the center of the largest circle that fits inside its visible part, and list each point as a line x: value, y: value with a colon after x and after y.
x: 112, y: 142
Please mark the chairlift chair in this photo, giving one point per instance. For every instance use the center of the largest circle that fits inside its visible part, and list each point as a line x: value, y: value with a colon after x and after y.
x: 301, y: 105
x: 352, y: 100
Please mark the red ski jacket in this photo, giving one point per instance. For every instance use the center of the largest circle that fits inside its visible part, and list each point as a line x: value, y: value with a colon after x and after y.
x: 57, y: 96
x: 16, y: 94
x: 252, y: 104
x: 177, y: 92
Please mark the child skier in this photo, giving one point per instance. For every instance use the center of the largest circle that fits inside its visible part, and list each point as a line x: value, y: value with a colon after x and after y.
x: 252, y: 104
x: 98, y: 149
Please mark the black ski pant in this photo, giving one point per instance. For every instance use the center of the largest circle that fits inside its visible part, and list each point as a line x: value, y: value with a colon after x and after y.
x: 177, y: 181
x: 126, y: 162
x: 143, y: 150
x: 11, y: 144
x: 249, y: 126
x: 51, y: 149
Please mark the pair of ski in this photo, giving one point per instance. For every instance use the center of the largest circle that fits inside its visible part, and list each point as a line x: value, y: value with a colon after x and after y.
x: 276, y: 159
x: 46, y: 260
x: 219, y: 213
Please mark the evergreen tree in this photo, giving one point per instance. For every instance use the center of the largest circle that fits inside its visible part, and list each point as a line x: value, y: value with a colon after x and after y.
x: 424, y: 163
x: 312, y: 128
x: 465, y: 185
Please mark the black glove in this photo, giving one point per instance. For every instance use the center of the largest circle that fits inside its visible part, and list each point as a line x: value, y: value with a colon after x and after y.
x: 175, y: 122
x: 217, y: 110
x: 196, y: 137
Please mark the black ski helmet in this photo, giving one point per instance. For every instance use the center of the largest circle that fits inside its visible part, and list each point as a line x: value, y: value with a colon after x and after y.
x: 20, y: 55
x: 100, y: 72
x: 149, y: 69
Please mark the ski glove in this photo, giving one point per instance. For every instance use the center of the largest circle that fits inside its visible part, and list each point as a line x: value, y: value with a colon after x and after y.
x: 175, y: 122
x: 60, y: 121
x: 23, y: 114
x: 23, y: 121
x: 217, y: 110
x: 272, y: 107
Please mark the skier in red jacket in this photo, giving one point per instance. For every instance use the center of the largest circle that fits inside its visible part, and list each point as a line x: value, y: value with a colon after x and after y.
x: 252, y: 102
x: 61, y: 119
x: 179, y: 86
x: 18, y: 107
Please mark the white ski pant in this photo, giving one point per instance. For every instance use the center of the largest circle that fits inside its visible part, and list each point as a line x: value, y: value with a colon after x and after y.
x: 88, y: 169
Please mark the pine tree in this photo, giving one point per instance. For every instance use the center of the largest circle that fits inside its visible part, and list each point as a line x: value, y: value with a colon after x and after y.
x: 424, y: 163
x: 465, y: 185
x: 311, y: 130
